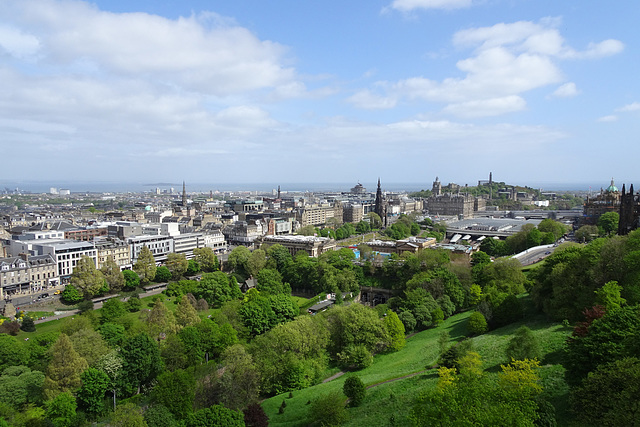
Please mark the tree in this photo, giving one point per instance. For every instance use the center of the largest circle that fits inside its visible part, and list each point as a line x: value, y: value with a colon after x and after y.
x: 160, y: 416
x: 396, y: 331
x: 328, y: 410
x: 254, y: 416
x: 89, y: 345
x: 609, y: 295
x: 86, y: 278
x: 133, y: 303
x: 256, y: 262
x: 557, y: 229
x: 176, y: 391
x: 71, y: 295
x: 61, y: 410
x: 160, y: 321
x: 238, y: 260
x: 95, y: 384
x: 193, y: 268
x: 586, y: 233
x: 523, y: 345
x: 354, y: 389
x: 141, y: 362
x: 279, y: 257
x: 609, y: 395
x: 177, y: 265
x: 65, y: 368
x: 27, y: 324
x: 375, y: 220
x: 216, y: 416
x: 307, y: 230
x: 163, y: 274
x: 217, y: 288
x: 240, y: 381
x: 112, y: 274
x: 128, y: 415
x: 20, y: 385
x: 131, y: 279
x: 111, y: 310
x: 186, y: 314
x: 270, y: 281
x: 477, y: 323
x: 207, y: 259
x: 112, y: 333
x: 608, y: 222
x: 145, y: 265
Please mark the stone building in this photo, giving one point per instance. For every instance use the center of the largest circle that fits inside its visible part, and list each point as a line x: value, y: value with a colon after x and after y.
x: 629, y: 211
x: 608, y: 200
x: 312, y: 245
x: 27, y: 274
x: 449, y: 204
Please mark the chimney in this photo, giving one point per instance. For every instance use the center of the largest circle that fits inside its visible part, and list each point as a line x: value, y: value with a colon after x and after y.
x: 24, y: 256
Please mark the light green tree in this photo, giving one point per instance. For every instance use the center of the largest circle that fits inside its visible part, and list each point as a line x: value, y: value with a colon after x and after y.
x: 112, y: 274
x: 186, y: 314
x: 177, y: 265
x: 86, y: 278
x: 207, y: 259
x: 145, y: 265
x: 65, y: 368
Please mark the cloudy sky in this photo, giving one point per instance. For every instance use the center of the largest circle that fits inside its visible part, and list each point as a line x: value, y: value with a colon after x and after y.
x: 320, y: 91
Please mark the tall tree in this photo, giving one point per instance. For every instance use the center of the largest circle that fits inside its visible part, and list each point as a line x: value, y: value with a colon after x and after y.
x: 95, y: 384
x: 186, y: 314
x: 238, y: 260
x: 207, y: 259
x: 131, y: 279
x: 65, y: 368
x: 86, y: 278
x: 141, y: 362
x: 240, y: 381
x: 256, y: 262
x: 113, y: 275
x: 160, y: 321
x: 145, y: 266
x: 177, y: 265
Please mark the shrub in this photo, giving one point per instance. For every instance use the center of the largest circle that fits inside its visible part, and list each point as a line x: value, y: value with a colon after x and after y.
x: 477, y: 323
x: 354, y: 389
x: 523, y: 345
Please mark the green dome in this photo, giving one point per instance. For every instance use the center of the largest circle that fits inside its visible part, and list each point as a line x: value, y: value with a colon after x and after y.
x: 612, y: 188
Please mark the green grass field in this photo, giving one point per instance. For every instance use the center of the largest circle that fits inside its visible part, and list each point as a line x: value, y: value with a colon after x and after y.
x: 390, y: 403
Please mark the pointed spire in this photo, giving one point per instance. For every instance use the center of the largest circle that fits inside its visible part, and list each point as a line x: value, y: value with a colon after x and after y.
x: 631, y: 189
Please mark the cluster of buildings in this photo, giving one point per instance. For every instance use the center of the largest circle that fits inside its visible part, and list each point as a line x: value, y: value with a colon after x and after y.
x: 611, y: 199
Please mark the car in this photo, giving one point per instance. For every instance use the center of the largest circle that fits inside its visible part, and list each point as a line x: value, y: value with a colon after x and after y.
x: 45, y: 295
x: 58, y: 292
x: 547, y: 253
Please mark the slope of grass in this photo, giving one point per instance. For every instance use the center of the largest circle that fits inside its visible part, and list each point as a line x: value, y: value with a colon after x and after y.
x: 390, y: 403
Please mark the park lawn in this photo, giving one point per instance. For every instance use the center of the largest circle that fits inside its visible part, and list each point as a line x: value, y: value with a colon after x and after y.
x: 420, y: 350
x: 390, y: 403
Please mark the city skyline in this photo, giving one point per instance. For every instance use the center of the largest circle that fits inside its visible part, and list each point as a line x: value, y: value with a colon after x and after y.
x: 249, y: 92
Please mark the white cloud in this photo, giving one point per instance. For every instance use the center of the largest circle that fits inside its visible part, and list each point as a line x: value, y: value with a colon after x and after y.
x: 369, y: 101
x: 634, y: 106
x: 205, y: 52
x: 567, y: 90
x: 409, y: 5
x: 487, y: 107
x: 508, y: 60
x: 17, y: 43
x: 606, y: 119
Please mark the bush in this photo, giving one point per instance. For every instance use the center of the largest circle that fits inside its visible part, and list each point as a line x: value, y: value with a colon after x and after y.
x: 354, y: 389
x: 133, y: 303
x: 162, y: 274
x: 355, y: 357
x: 328, y: 410
x: 477, y: 324
x: 71, y: 295
x: 450, y: 357
x: 28, y: 325
x: 523, y: 345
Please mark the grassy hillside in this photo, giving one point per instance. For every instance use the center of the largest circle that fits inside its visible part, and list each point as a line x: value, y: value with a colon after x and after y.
x: 389, y: 403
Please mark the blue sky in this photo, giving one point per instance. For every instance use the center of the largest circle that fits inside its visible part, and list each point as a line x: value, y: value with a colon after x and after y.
x: 536, y: 91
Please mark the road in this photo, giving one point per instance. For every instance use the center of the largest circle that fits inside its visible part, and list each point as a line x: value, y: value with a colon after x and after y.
x: 95, y: 307
x: 535, y: 254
